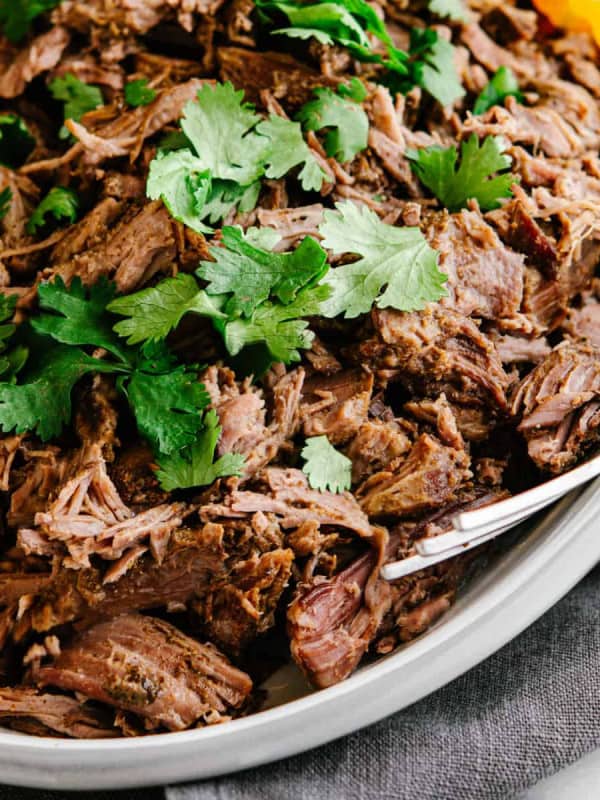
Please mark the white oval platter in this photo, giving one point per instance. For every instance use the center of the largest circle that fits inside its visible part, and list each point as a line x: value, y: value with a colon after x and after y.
x: 518, y: 588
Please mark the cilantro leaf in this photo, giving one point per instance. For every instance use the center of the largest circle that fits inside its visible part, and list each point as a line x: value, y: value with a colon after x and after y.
x: 327, y: 469
x: 16, y: 142
x: 306, y: 33
x: 348, y: 122
x: 220, y: 127
x: 10, y: 362
x: 346, y: 22
x: 288, y: 150
x: 78, y: 98
x: 222, y: 173
x: 279, y: 327
x: 264, y: 237
x: 332, y: 19
x: 503, y: 84
x: 79, y: 315
x: 166, y: 406
x: 453, y: 9
x: 6, y: 196
x: 138, y: 93
x: 355, y: 90
x: 194, y: 466
x: 433, y: 66
x: 60, y: 203
x: 398, y: 259
x: 181, y: 181
x: 17, y: 15
x: 251, y: 274
x: 429, y: 62
x: 153, y: 313
x: 437, y: 168
x: 174, y: 140
x: 42, y: 401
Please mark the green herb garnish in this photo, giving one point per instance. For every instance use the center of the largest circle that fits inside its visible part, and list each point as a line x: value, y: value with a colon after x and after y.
x: 138, y: 93
x: 502, y: 85
x: 61, y: 204
x: 326, y: 468
x: 78, y: 98
x: 17, y: 15
x: 16, y: 142
x: 475, y: 177
x: 341, y: 115
x: 397, y: 267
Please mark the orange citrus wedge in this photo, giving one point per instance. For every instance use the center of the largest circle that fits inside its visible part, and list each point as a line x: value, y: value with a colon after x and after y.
x: 574, y: 15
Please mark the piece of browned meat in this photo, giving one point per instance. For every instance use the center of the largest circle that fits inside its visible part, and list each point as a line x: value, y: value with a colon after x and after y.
x: 485, y: 277
x: 234, y: 614
x: 286, y: 494
x: 277, y: 72
x: 375, y: 446
x: 429, y: 477
x: 195, y: 558
x: 148, y: 667
x: 584, y: 323
x: 52, y: 714
x: 437, y: 350
x: 130, y: 253
x: 336, y: 405
x: 18, y: 67
x: 332, y: 621
x: 558, y: 404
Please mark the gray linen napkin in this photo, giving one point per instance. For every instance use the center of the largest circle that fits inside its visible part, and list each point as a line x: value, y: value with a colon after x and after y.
x: 522, y: 715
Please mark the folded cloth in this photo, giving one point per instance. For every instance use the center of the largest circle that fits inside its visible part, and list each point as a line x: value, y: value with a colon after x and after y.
x: 522, y: 715
x: 525, y: 713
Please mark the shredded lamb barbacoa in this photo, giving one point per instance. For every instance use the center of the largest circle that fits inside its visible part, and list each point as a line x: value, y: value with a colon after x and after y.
x: 262, y: 331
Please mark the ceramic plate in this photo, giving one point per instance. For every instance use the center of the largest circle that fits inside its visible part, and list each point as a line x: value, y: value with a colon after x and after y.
x: 536, y: 572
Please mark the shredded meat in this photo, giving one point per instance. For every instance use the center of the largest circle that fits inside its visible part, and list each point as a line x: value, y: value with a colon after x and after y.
x: 558, y: 404
x: 149, y: 667
x: 20, y: 67
x: 437, y: 350
x: 56, y: 714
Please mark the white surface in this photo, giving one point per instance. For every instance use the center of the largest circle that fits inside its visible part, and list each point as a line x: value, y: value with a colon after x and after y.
x: 580, y: 781
x: 530, y: 578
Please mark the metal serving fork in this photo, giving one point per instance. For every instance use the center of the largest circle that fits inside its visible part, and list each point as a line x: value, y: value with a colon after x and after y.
x: 472, y: 528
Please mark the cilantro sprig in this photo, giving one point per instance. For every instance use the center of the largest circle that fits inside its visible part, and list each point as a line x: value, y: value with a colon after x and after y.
x: 253, y: 296
x: 451, y: 9
x: 60, y: 204
x: 502, y: 85
x: 397, y: 268
x: 476, y: 176
x: 13, y: 359
x: 77, y: 97
x: 51, y: 355
x: 229, y: 148
x: 429, y: 63
x: 138, y: 93
x: 342, y: 116
x: 195, y: 465
x: 326, y: 468
x: 17, y: 15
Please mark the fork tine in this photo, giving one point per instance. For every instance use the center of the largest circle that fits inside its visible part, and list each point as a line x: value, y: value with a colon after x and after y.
x: 454, y: 538
x: 540, y: 496
x: 399, y: 569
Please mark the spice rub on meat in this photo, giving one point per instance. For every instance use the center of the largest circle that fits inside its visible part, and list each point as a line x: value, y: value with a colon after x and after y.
x: 265, y: 322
